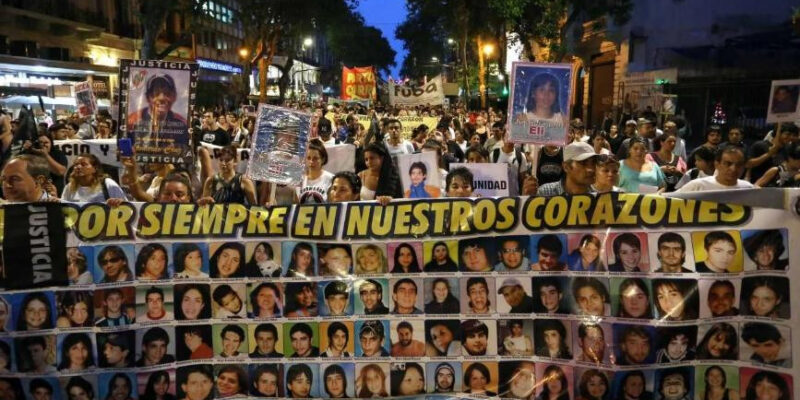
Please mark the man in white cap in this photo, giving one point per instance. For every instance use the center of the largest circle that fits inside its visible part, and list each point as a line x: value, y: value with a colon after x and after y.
x: 579, y: 165
x: 514, y: 295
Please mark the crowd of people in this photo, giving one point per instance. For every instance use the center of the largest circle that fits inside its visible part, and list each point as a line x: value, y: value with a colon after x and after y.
x: 644, y: 156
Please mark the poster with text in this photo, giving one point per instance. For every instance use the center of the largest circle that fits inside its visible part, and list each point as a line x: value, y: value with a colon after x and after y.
x: 156, y: 102
x: 540, y: 103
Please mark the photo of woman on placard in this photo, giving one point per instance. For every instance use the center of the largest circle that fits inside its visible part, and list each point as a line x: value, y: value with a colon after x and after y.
x: 765, y: 296
x: 120, y: 387
x: 440, y: 259
x: 266, y: 301
x: 634, y: 299
x: 586, y: 257
x: 719, y: 343
x: 767, y: 385
x: 543, y: 105
x: 405, y: 260
x: 593, y: 385
x: 151, y: 263
x: 157, y: 387
x: 444, y: 302
x: 77, y: 353
x: 477, y: 379
x: 676, y: 299
x: 189, y: 261
x: 716, y: 382
x: 301, y: 261
x: 228, y: 261
x: 74, y: 310
x: 262, y: 263
x: 371, y: 382
x: 194, y: 302
x: 36, y: 312
x: 114, y: 263
x: 556, y: 386
x: 231, y: 382
x: 408, y: 381
x: 628, y: 253
x: 370, y: 259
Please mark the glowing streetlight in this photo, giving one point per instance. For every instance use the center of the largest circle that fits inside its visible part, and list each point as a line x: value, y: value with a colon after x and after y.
x: 435, y: 59
x: 307, y: 42
x: 488, y: 49
x: 244, y: 52
x: 450, y: 41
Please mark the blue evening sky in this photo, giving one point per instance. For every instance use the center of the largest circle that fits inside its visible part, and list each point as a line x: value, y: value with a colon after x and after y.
x: 386, y: 15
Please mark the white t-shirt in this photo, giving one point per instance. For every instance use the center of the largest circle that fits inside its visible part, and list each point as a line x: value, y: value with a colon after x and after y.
x: 315, y: 191
x: 95, y: 194
x: 404, y: 147
x: 711, y: 183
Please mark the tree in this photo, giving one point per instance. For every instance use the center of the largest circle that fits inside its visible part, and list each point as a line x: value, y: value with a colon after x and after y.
x: 153, y: 13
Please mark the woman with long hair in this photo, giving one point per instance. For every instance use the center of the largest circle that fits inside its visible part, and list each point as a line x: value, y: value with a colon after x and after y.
x: 195, y: 302
x: 409, y: 381
x: 316, y: 181
x: 88, y: 183
x: 345, y: 187
x: 120, y: 387
x: 37, y: 312
x: 228, y: 261
x: 593, y: 385
x: 151, y: 263
x: 189, y: 261
x: 370, y: 259
x: 157, y: 387
x: 555, y: 387
x: 77, y: 353
x: 75, y: 310
x: 767, y: 385
x: 262, y: 263
x: 634, y: 299
x: 380, y: 181
x: 717, y: 385
x: 586, y: 257
x: 673, y: 167
x: 676, y: 299
x: 266, y: 301
x: 719, y: 343
x: 440, y: 259
x: 637, y: 170
x: 371, y: 382
x: 444, y: 302
x: 301, y: 263
x: 405, y: 260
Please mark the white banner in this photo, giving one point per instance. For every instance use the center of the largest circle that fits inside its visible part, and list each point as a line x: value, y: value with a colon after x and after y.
x: 104, y: 149
x: 488, y: 179
x: 429, y: 93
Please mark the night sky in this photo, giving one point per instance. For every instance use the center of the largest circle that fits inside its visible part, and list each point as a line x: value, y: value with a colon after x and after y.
x: 386, y: 15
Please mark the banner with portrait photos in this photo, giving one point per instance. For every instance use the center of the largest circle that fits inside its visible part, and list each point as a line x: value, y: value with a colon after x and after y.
x: 156, y: 99
x: 619, y: 296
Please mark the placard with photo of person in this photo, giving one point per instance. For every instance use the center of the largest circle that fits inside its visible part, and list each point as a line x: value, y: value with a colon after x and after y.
x: 419, y: 174
x: 766, y: 250
x: 443, y: 377
x: 539, y: 106
x: 338, y: 380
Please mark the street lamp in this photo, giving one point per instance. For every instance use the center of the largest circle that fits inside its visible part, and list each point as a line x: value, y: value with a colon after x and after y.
x: 435, y: 59
x: 244, y: 52
x: 450, y: 41
x: 488, y: 49
x: 484, y: 50
x: 307, y: 42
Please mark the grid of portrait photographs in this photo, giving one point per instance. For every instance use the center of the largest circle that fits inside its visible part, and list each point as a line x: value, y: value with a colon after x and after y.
x: 551, y: 316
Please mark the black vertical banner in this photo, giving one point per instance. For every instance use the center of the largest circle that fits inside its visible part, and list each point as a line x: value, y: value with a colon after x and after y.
x: 34, y: 243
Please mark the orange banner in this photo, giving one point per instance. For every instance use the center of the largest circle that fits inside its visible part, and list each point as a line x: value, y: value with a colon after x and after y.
x: 358, y: 83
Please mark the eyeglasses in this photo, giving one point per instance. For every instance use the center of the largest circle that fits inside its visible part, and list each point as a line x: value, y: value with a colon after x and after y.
x: 110, y: 260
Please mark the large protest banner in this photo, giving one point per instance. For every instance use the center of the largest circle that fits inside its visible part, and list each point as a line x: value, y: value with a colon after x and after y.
x: 512, y: 297
x: 539, y: 107
x: 358, y: 83
x: 430, y: 93
x: 156, y: 101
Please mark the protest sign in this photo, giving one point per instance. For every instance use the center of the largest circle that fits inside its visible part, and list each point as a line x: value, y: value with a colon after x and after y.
x: 431, y: 93
x: 279, y: 145
x: 420, y: 175
x: 408, y: 123
x: 783, y: 101
x: 488, y: 179
x: 85, y: 99
x: 539, y: 106
x: 500, y: 293
x: 156, y: 101
x: 358, y: 83
x: 340, y: 157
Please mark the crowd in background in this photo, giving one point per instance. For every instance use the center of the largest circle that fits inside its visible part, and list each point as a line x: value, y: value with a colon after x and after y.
x: 641, y: 153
